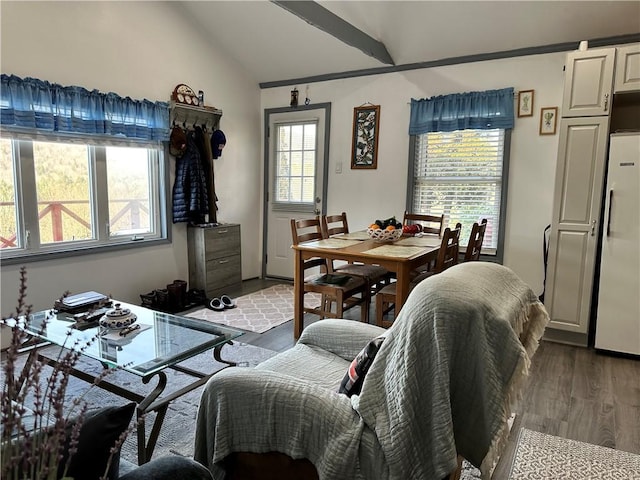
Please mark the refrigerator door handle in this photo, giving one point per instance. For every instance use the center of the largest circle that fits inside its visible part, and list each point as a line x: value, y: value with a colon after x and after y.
x: 609, y: 212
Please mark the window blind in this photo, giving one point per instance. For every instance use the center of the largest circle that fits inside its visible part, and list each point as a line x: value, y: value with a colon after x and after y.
x: 459, y: 174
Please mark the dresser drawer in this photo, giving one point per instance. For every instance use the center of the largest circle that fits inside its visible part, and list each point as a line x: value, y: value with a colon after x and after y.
x: 222, y: 241
x: 222, y: 273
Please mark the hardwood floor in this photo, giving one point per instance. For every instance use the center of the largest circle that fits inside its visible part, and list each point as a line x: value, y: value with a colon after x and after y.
x: 572, y: 392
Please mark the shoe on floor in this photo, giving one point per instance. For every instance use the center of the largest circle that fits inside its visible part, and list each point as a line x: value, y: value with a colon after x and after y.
x: 227, y: 301
x: 215, y: 304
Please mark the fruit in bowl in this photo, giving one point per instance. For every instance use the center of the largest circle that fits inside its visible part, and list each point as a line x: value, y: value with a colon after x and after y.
x: 385, y: 230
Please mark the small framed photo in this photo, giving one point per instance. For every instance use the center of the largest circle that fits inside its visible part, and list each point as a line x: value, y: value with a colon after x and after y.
x: 525, y: 103
x: 548, y: 120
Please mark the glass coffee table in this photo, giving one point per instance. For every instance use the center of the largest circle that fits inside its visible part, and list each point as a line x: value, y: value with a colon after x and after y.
x: 160, y: 342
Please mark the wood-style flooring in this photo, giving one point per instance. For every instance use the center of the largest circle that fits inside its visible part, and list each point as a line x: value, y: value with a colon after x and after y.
x: 572, y: 392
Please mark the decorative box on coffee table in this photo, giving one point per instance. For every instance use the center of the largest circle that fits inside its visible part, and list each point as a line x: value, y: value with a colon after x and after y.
x: 214, y: 258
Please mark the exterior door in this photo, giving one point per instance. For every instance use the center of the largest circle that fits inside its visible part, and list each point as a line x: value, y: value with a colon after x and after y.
x: 296, y: 151
x: 576, y: 216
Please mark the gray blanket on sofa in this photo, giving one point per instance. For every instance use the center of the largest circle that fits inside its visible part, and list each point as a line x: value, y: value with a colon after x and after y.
x: 443, y: 383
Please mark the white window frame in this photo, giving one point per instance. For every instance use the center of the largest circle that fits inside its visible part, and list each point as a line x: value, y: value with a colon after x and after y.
x: 29, y: 248
x: 488, y: 254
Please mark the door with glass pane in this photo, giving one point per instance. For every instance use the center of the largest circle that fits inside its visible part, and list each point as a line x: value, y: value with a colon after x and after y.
x: 295, y: 183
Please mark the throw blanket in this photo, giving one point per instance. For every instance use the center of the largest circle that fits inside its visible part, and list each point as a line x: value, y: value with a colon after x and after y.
x: 444, y: 382
x: 453, y: 366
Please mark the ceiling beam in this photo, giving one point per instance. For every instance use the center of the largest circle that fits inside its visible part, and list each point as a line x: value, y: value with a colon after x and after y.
x: 318, y: 16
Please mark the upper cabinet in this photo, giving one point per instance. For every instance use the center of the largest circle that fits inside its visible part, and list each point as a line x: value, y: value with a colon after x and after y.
x: 588, y: 86
x: 627, y: 69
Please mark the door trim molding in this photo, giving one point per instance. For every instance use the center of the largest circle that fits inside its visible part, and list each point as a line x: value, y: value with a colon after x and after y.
x: 265, y: 163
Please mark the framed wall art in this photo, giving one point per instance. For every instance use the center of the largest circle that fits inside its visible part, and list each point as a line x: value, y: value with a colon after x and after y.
x: 525, y: 103
x: 548, y: 120
x: 364, y: 147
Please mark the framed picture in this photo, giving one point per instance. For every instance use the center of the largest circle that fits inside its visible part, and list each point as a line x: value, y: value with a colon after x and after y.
x: 525, y: 103
x: 548, y: 120
x: 364, y: 146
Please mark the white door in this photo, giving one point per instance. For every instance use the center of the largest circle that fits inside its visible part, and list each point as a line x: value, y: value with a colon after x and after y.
x: 576, y: 214
x: 295, y: 179
x: 588, y: 84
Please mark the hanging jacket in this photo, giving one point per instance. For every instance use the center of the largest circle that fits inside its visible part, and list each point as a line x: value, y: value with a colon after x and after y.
x: 190, y: 202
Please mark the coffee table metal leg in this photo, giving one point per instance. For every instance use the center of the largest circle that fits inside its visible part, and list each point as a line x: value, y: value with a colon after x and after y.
x: 218, y: 358
x: 146, y: 447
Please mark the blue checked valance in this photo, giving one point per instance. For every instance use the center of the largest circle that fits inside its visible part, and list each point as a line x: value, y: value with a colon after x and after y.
x: 44, y: 107
x: 478, y: 110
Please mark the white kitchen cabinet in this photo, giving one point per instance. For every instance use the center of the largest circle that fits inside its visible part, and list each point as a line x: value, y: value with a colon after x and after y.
x: 575, y: 222
x: 588, y: 85
x: 627, y: 78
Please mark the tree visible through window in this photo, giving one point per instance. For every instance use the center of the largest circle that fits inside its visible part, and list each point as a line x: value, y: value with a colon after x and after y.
x: 296, y: 150
x: 459, y: 174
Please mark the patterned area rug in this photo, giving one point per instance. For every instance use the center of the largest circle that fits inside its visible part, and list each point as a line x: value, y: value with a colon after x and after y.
x: 541, y: 456
x: 259, y: 311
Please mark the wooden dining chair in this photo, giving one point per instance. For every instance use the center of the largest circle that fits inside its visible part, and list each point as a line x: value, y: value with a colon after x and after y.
x: 447, y: 257
x: 354, y: 291
x: 476, y: 238
x: 375, y: 275
x: 433, y: 224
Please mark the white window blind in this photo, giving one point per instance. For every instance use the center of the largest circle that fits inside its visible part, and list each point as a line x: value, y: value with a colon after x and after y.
x: 459, y: 174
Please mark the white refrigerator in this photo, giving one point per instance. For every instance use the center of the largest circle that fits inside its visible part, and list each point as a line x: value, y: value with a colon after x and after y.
x: 618, y: 315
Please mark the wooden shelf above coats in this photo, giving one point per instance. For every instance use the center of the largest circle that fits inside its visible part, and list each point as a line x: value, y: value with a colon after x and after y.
x: 182, y: 114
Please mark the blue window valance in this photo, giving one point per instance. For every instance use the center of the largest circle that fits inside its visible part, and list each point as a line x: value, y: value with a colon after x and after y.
x: 45, y: 107
x: 478, y: 110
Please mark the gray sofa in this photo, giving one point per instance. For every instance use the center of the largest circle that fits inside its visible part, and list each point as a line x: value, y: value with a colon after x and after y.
x: 443, y: 383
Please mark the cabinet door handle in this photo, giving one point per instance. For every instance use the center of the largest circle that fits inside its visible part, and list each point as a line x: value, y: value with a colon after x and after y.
x: 593, y: 228
x: 222, y: 232
x: 223, y: 262
x: 609, y: 213
x: 606, y: 101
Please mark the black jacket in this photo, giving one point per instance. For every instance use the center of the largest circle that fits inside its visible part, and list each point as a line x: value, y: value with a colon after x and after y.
x: 190, y: 202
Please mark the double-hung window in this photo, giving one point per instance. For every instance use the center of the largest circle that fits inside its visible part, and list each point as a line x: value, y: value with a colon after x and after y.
x: 460, y: 174
x: 460, y: 158
x: 78, y: 183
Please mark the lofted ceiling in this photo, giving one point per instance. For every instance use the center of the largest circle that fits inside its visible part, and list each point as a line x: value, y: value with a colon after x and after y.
x: 275, y: 45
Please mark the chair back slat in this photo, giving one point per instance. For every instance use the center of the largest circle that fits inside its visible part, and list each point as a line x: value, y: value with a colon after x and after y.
x: 334, y: 225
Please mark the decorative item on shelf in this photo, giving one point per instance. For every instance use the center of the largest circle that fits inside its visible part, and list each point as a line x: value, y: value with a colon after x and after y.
x: 186, y: 95
x: 525, y: 103
x: 364, y: 146
x: 388, y: 230
x: 307, y: 100
x: 548, y: 120
x: 294, y: 97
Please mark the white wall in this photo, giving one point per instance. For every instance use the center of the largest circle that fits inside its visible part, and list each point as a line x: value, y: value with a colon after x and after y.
x: 369, y: 194
x: 141, y: 50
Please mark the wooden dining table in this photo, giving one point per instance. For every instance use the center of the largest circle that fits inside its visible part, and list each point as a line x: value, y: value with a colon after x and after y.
x: 400, y: 257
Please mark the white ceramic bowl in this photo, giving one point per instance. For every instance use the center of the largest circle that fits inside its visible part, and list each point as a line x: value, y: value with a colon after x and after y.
x: 384, y: 235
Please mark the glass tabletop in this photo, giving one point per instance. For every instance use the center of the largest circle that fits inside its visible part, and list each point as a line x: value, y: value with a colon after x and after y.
x: 161, y: 341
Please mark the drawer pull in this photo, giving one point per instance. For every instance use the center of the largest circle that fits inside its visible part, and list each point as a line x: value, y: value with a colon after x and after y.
x: 223, y: 261
x: 222, y: 232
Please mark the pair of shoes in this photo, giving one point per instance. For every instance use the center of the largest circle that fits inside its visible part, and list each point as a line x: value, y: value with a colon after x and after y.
x: 221, y: 303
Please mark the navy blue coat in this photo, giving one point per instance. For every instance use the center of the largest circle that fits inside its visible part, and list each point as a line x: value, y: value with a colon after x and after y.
x: 190, y: 202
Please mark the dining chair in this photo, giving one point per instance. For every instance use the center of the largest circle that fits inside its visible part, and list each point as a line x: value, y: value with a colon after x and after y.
x: 375, y: 275
x: 447, y: 257
x: 433, y: 224
x: 344, y: 295
x: 476, y: 238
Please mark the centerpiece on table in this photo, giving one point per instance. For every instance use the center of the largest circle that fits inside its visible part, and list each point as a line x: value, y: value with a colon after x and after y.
x: 385, y: 230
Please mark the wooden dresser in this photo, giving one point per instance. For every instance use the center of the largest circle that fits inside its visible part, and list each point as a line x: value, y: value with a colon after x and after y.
x: 214, y: 258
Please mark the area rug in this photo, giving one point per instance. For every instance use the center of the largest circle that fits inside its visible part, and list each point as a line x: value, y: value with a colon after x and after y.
x: 259, y: 311
x: 541, y: 456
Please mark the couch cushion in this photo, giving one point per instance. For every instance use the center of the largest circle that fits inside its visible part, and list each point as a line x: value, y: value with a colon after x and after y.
x: 309, y: 363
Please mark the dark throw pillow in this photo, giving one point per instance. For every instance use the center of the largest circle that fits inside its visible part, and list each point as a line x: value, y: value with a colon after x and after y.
x: 352, y: 382
x: 98, y: 435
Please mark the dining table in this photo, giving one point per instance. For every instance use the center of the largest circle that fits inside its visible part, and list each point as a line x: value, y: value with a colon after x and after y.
x: 400, y: 256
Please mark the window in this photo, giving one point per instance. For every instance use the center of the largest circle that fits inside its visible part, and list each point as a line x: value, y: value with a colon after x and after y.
x: 58, y: 197
x: 461, y: 174
x: 296, y: 162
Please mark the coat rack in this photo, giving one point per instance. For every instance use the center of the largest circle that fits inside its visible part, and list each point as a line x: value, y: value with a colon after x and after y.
x: 188, y: 115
